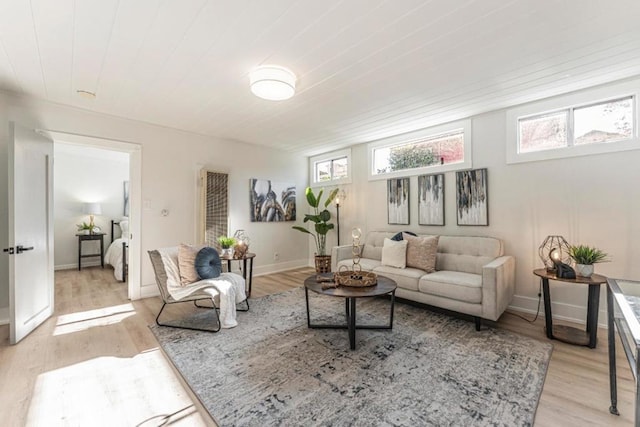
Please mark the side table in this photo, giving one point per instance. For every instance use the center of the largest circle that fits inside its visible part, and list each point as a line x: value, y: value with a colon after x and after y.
x: 569, y: 334
x: 88, y: 238
x: 247, y: 257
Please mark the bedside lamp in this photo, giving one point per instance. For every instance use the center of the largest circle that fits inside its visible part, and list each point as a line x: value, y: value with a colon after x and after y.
x: 92, y: 209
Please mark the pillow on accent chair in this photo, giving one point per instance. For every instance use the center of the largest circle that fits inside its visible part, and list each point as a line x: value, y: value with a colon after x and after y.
x: 421, y: 252
x: 398, y: 236
x: 187, y: 264
x: 394, y: 254
x: 208, y: 264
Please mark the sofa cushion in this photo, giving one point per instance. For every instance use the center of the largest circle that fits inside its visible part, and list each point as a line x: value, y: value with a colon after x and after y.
x: 394, y: 254
x: 467, y: 254
x: 398, y: 236
x: 421, y: 252
x: 406, y: 278
x: 454, y: 285
x: 373, y: 243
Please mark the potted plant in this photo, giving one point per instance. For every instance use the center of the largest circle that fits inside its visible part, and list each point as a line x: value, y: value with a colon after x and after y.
x: 321, y: 226
x: 585, y: 256
x: 85, y: 228
x: 226, y: 243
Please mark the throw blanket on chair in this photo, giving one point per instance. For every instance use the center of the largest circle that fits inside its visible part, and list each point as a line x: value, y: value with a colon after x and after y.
x: 229, y: 287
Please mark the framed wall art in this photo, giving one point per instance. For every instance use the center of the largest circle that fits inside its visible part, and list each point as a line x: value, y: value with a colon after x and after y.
x: 272, y: 201
x: 472, y: 204
x: 398, y: 201
x: 431, y: 199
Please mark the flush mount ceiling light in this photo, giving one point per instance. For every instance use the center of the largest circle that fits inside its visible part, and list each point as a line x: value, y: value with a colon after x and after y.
x: 273, y: 82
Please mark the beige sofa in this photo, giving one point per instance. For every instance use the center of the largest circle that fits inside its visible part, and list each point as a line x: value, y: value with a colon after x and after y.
x: 473, y: 276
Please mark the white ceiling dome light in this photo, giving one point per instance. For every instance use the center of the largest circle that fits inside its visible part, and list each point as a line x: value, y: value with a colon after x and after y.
x: 273, y: 82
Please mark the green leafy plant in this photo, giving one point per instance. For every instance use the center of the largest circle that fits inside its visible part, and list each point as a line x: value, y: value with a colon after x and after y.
x: 587, y: 255
x: 84, y: 226
x: 226, y: 242
x: 320, y: 218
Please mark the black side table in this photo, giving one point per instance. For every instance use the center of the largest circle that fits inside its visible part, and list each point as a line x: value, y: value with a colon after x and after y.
x: 90, y: 237
x: 569, y: 334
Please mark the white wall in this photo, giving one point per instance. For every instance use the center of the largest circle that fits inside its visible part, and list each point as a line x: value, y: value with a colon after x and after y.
x: 170, y: 162
x: 83, y: 175
x: 593, y: 200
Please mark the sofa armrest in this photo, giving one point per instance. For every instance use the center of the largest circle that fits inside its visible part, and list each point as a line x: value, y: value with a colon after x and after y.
x: 339, y: 253
x: 498, y: 286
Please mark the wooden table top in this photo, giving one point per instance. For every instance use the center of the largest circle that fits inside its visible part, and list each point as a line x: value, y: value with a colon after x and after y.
x: 595, y: 279
x: 382, y: 287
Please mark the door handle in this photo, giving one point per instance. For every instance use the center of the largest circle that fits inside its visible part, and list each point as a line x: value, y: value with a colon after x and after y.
x: 9, y: 250
x: 20, y: 249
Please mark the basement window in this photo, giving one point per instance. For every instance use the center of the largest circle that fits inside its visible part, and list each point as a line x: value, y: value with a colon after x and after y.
x: 331, y: 168
x: 589, y: 122
x: 436, y: 149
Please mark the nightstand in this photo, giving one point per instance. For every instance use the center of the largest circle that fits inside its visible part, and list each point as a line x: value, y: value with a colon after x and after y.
x: 88, y: 238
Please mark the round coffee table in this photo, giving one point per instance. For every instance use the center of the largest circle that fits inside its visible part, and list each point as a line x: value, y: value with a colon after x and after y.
x: 350, y: 294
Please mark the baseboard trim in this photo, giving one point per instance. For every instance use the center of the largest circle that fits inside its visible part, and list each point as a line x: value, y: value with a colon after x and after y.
x: 75, y: 266
x: 560, y: 311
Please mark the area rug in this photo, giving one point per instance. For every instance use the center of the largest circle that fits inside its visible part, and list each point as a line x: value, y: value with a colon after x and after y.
x: 430, y: 370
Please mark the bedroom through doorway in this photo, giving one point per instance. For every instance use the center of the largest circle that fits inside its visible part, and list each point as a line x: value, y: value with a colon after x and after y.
x: 97, y: 179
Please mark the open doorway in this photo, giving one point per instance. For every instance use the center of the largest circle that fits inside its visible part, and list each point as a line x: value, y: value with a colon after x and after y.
x: 91, y: 208
x: 99, y: 178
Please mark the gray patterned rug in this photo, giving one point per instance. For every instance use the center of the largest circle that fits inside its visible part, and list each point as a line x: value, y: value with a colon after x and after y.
x: 430, y: 370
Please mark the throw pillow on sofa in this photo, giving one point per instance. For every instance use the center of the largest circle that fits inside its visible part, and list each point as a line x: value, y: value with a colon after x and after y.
x: 421, y: 252
x: 397, y: 237
x: 394, y: 254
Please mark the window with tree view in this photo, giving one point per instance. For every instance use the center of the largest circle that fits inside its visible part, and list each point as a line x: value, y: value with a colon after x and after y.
x: 434, y: 150
x: 598, y: 123
x: 331, y: 170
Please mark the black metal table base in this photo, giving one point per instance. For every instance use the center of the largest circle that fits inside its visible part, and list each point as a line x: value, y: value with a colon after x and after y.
x: 350, y: 311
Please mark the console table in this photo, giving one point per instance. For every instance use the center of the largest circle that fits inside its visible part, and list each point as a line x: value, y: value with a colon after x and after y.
x: 569, y: 334
x: 623, y: 315
x: 247, y: 257
x: 88, y: 238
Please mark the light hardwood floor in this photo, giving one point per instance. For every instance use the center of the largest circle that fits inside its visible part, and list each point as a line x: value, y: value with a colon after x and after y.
x: 95, y: 362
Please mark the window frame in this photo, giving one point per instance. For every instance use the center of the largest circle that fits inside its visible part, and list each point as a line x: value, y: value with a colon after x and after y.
x: 569, y: 103
x: 426, y: 133
x: 330, y: 156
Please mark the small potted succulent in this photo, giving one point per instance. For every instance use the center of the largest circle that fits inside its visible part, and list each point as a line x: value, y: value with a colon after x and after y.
x: 226, y: 243
x: 584, y: 257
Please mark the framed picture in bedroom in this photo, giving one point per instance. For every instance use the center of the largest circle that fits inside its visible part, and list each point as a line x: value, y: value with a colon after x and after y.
x: 472, y: 203
x: 398, y: 201
x: 431, y: 199
x: 272, y: 201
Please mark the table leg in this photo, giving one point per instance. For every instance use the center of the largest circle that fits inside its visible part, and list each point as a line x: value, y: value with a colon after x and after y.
x: 613, y: 385
x: 346, y: 307
x: 306, y: 297
x: 250, y: 272
x: 352, y: 323
x: 393, y: 300
x: 547, y: 308
x: 102, y: 251
x: 79, y: 254
x: 228, y: 266
x: 592, y: 314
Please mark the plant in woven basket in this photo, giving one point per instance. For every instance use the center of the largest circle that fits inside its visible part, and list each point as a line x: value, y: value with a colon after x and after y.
x: 320, y: 219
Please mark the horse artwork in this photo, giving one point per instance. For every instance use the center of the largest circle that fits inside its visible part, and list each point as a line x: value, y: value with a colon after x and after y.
x: 272, y: 201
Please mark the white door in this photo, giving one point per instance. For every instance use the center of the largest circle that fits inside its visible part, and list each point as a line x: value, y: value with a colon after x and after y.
x: 30, y: 231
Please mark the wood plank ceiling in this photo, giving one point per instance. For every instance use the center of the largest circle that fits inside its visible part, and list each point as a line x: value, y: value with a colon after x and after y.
x: 366, y: 69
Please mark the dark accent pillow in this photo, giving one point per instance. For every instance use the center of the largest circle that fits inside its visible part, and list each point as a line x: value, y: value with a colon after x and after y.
x: 398, y: 236
x: 208, y: 264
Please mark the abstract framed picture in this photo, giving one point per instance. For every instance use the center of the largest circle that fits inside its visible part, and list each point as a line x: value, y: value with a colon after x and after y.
x: 398, y: 201
x: 472, y: 204
x: 272, y: 201
x: 431, y: 199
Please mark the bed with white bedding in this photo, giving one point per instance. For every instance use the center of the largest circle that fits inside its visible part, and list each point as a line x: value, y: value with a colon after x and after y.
x: 117, y: 253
